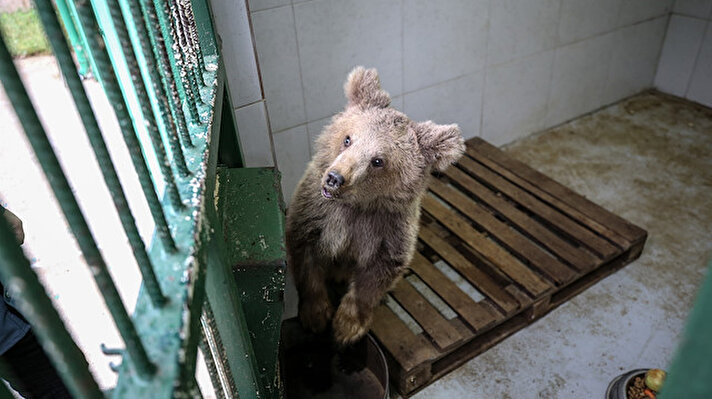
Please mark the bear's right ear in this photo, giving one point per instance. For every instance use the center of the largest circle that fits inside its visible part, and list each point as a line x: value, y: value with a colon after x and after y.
x: 441, y: 145
x: 363, y: 89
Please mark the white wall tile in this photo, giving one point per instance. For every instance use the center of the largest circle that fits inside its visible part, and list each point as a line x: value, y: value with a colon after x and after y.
x: 515, y: 98
x: 633, y: 11
x: 335, y: 36
x: 695, y: 8
x: 279, y: 65
x: 520, y: 28
x: 442, y: 40
x: 579, y: 76
x: 634, y: 59
x: 257, y: 5
x: 292, y: 150
x: 677, y: 60
x: 700, y: 88
x: 314, y: 129
x: 233, y: 26
x: 457, y: 101
x: 254, y: 135
x: 585, y: 18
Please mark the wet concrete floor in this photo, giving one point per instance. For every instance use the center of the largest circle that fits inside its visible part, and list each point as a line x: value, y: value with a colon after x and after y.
x: 648, y: 160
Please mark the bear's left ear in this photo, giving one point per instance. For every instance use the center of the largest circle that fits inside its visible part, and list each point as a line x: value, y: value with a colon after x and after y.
x: 363, y: 89
x: 441, y: 145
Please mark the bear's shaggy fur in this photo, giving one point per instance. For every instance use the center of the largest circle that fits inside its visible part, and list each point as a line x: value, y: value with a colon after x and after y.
x: 354, y: 215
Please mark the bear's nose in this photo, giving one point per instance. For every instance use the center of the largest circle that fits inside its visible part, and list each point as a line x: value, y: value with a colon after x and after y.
x: 334, y: 179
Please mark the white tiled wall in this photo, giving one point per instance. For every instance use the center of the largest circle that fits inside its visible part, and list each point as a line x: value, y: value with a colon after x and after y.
x: 502, y: 69
x: 536, y: 22
x: 276, y: 45
x: 232, y: 22
x: 514, y: 97
x: 583, y: 19
x: 579, y: 77
x: 455, y: 103
x: 292, y: 149
x: 685, y: 67
x: 442, y: 40
x: 333, y: 36
x: 634, y: 58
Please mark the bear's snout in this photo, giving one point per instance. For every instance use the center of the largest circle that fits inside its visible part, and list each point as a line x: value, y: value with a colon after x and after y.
x: 334, y: 179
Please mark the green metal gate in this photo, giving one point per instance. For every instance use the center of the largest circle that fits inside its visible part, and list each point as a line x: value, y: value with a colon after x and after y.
x: 214, y: 274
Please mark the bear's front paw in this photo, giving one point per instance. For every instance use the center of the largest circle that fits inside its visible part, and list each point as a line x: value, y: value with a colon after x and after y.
x: 315, y: 315
x: 349, y: 326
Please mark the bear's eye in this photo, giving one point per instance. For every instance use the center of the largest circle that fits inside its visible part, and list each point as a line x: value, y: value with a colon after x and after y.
x: 377, y: 162
x: 347, y: 141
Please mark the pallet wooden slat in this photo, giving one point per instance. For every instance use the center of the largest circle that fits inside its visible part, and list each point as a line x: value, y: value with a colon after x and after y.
x: 472, y: 273
x: 543, y: 210
x: 408, y: 349
x: 577, y: 204
x: 504, y: 261
x: 476, y: 314
x: 480, y: 155
x: 434, y: 324
x: 576, y: 256
x: 516, y: 243
x: 522, y: 240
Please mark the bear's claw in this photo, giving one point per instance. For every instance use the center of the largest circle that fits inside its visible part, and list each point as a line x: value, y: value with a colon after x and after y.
x: 348, y: 327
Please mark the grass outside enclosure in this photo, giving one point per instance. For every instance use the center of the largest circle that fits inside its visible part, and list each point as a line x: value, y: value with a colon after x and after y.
x: 23, y: 33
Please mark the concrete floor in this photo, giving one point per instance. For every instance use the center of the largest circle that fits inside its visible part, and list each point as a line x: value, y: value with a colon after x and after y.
x: 646, y: 159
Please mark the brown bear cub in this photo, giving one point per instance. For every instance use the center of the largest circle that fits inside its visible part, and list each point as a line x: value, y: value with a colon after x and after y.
x: 354, y: 215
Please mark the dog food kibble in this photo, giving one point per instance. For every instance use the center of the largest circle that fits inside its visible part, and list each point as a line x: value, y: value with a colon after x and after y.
x: 637, y: 390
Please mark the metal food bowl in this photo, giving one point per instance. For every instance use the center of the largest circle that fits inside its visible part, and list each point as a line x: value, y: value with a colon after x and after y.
x: 312, y: 368
x: 618, y: 388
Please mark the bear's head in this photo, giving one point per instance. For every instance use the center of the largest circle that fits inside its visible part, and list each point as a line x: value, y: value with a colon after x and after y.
x: 373, y: 154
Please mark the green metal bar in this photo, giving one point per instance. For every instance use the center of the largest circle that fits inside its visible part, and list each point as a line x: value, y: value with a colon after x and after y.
x: 183, y: 58
x: 111, y: 87
x: 221, y: 291
x: 215, y: 356
x: 192, y: 48
x: 691, y: 368
x: 164, y: 68
x: 35, y: 305
x: 169, y: 37
x: 258, y: 273
x: 144, y: 44
x: 74, y: 37
x: 194, y: 83
x: 229, y: 150
x: 195, y: 39
x: 144, y: 103
x: 64, y: 57
x: 212, y: 370
x: 60, y: 186
x: 172, y: 335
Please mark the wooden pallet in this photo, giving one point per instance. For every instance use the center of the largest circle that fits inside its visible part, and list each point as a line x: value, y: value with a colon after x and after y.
x: 525, y: 242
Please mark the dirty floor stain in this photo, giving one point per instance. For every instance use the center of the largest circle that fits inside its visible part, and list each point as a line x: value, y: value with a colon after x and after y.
x: 648, y: 160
